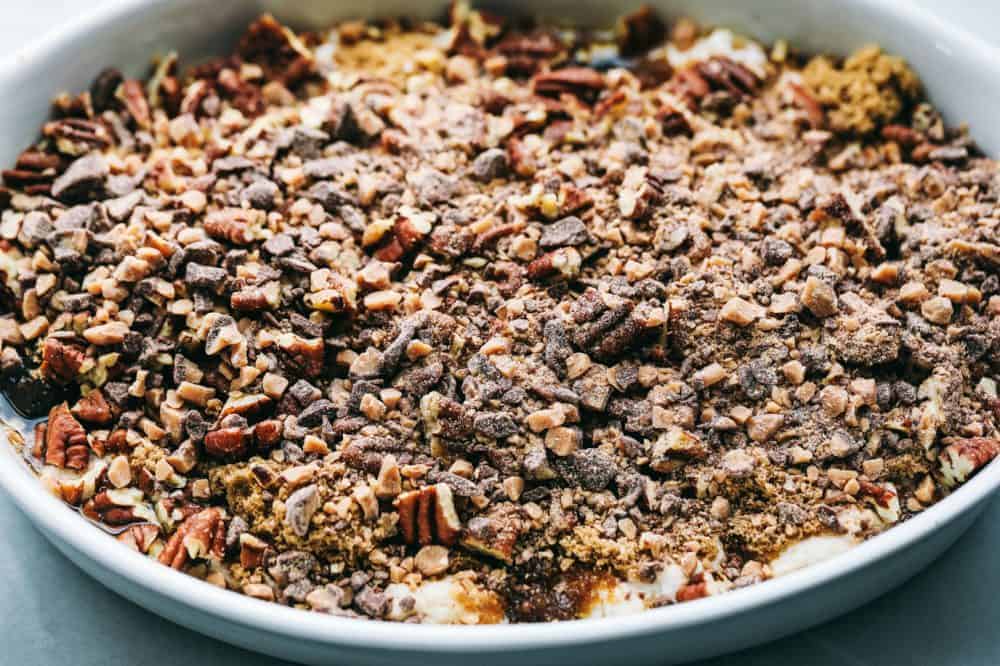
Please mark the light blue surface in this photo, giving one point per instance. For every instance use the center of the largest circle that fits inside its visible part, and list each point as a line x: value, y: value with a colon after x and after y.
x: 52, y: 613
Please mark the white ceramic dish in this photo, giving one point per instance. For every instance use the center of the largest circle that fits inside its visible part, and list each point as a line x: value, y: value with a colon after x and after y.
x: 962, y: 75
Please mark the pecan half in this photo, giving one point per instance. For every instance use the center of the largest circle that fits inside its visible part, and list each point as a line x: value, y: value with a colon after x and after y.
x: 428, y: 516
x: 65, y: 440
x: 201, y: 536
x: 74, y: 136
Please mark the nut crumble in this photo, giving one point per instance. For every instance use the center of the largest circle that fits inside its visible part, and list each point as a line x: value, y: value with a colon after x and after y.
x: 495, y: 321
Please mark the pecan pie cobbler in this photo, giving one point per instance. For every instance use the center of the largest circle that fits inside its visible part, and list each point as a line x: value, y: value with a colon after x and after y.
x: 499, y: 321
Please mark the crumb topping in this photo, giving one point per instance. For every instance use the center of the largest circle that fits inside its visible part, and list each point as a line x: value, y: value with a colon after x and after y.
x: 498, y: 320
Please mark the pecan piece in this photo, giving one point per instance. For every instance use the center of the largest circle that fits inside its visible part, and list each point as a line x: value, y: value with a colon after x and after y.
x: 140, y: 537
x: 225, y: 442
x: 495, y: 534
x: 406, y: 236
x: 93, y: 408
x: 692, y: 591
x: 428, y: 516
x: 74, y: 136
x: 962, y: 458
x: 114, y: 507
x: 61, y: 361
x: 732, y: 77
x: 267, y: 434
x: 302, y: 355
x: 65, y: 440
x: 583, y: 82
x: 200, y: 536
x: 230, y: 224
x: 563, y: 263
x: 640, y: 31
x: 133, y: 96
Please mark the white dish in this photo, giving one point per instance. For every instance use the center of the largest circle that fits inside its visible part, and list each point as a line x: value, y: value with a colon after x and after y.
x: 961, y: 74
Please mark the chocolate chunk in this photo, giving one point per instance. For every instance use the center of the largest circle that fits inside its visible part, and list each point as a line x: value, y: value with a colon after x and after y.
x: 307, y: 142
x: 330, y: 196
x: 83, y: 180
x: 567, y: 231
x: 233, y: 164
x: 775, y: 251
x: 590, y: 469
x: 260, y: 194
x: 495, y: 425
x: 279, y: 245
x: 205, y: 277
x: 490, y: 165
x: 431, y: 186
x: 312, y: 416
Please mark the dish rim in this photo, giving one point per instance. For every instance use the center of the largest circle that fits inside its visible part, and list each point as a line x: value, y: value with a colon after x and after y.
x: 59, y: 521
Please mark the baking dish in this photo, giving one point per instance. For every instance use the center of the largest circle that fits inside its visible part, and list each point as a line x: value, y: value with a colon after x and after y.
x: 700, y: 629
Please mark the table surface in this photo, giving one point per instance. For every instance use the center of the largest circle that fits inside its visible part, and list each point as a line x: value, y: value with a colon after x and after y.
x: 54, y: 613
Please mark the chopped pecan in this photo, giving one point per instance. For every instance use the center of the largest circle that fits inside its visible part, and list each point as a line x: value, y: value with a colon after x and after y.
x: 278, y: 50
x: 961, y: 458
x: 73, y: 136
x: 200, y: 536
x: 140, y: 537
x: 428, y: 516
x: 133, y: 96
x: 640, y: 31
x: 563, y: 263
x: 302, y: 355
x: 692, y: 591
x: 690, y: 85
x: 903, y: 135
x: 583, y: 82
x: 407, y: 233
x: 724, y: 74
x: 267, y: 434
x: 804, y: 100
x: 114, y: 507
x: 226, y: 442
x: 495, y: 534
x: 93, y: 408
x: 61, y: 361
x: 230, y: 224
x: 65, y: 440
x: 256, y: 298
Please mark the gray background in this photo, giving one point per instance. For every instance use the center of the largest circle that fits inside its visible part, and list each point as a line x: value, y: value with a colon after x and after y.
x: 52, y: 613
